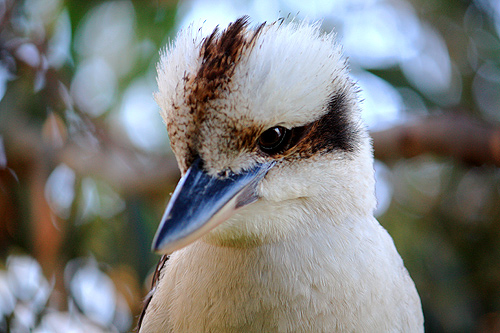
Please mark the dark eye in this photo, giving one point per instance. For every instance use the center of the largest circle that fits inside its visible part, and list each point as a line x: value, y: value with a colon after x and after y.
x: 274, y: 140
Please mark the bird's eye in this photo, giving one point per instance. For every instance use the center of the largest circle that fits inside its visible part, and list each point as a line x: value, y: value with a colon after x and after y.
x: 274, y: 140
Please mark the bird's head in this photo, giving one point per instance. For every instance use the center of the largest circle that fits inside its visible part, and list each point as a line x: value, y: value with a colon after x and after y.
x: 266, y: 129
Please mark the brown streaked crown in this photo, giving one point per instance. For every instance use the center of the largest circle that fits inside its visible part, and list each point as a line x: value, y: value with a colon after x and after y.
x: 220, y: 53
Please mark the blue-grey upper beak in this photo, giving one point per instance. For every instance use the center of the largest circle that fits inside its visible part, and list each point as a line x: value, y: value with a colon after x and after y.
x: 200, y: 202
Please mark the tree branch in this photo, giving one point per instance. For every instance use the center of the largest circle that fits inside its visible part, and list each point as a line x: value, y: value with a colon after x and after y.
x: 463, y: 138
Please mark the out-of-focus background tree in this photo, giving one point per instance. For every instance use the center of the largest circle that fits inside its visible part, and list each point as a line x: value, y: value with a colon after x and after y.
x: 86, y: 169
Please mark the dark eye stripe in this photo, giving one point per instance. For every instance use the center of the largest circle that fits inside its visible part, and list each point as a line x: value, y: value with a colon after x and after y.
x: 333, y: 131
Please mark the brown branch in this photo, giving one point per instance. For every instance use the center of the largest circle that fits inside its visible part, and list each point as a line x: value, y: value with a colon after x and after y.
x: 457, y: 136
x: 132, y: 172
x: 126, y: 169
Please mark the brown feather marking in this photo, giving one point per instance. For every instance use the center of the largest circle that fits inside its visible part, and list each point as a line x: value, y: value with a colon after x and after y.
x: 333, y: 131
x: 220, y: 53
x: 154, y: 282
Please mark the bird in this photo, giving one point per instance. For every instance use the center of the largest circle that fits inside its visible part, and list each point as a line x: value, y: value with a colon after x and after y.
x: 271, y: 226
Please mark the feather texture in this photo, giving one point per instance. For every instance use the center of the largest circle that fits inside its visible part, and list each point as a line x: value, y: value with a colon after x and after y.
x: 308, y: 255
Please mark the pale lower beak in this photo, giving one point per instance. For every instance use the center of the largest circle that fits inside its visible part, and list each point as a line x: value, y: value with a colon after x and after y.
x: 201, y: 202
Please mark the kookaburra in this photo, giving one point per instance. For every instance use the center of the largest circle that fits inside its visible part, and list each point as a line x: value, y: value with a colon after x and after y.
x: 271, y: 227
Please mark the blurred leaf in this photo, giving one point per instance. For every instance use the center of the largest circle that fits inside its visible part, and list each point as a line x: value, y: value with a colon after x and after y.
x: 59, y: 45
x: 93, y: 291
x: 29, y: 53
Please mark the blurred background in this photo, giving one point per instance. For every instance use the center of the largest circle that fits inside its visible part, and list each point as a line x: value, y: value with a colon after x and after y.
x: 86, y: 169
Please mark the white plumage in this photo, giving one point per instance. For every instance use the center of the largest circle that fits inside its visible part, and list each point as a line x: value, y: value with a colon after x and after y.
x: 296, y: 247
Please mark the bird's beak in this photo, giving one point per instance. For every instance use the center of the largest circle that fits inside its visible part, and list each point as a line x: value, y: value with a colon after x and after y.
x: 201, y: 202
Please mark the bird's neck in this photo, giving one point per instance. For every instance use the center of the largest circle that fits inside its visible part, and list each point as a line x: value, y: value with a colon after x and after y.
x: 295, y: 221
x: 339, y: 271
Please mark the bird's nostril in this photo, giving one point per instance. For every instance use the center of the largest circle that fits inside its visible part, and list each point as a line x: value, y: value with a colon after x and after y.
x: 226, y: 173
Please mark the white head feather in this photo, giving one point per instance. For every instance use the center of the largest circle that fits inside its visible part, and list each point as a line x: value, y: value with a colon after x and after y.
x: 286, y: 75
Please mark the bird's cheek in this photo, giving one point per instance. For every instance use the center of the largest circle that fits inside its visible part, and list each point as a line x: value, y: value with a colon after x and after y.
x: 280, y: 188
x: 300, y: 180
